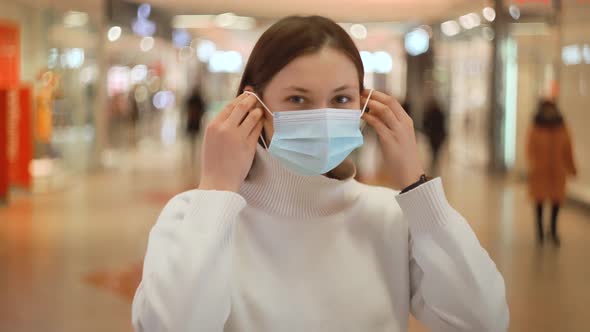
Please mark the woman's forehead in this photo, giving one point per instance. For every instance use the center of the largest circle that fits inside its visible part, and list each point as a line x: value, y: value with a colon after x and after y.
x: 326, y: 69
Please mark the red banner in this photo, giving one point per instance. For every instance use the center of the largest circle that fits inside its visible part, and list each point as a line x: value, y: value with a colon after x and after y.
x: 9, y: 79
x: 16, y: 141
x: 20, y: 138
x: 3, y: 146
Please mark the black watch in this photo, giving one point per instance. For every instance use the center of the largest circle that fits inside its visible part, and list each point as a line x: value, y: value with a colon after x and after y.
x: 423, y: 179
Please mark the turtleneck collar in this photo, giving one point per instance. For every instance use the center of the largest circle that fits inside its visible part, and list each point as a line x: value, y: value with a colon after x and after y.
x: 276, y: 190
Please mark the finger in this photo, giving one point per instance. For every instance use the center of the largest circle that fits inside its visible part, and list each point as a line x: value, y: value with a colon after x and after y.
x: 381, y: 129
x: 378, y: 97
x: 390, y: 101
x: 366, y: 92
x: 383, y: 112
x: 255, y: 133
x: 226, y: 112
x: 252, y: 119
x: 241, y: 110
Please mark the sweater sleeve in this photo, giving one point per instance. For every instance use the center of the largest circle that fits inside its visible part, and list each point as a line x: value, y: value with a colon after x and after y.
x: 185, y: 283
x: 455, y: 286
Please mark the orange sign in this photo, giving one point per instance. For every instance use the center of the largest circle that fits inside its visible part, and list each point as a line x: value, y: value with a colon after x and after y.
x: 9, y: 54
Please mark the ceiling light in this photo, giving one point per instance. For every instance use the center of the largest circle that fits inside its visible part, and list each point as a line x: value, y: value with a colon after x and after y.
x: 144, y: 27
x: 571, y: 55
x: 192, y: 21
x: 475, y: 19
x: 225, y: 20
x: 514, y: 12
x: 138, y: 73
x: 417, y: 42
x: 75, y: 19
x: 383, y: 62
x: 489, y: 14
x: 146, y: 44
x: 144, y: 10
x: 205, y: 50
x: 181, y: 38
x: 466, y: 22
x: 450, y: 28
x: 358, y: 31
x: 114, y: 33
x: 243, y: 23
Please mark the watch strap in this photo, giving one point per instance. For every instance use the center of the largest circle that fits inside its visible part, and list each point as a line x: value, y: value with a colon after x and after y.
x: 423, y: 179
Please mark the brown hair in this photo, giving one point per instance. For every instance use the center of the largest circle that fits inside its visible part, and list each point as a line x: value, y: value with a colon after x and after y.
x: 290, y: 38
x: 553, y: 118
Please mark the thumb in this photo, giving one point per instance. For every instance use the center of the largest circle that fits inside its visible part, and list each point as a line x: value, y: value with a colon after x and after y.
x: 255, y: 133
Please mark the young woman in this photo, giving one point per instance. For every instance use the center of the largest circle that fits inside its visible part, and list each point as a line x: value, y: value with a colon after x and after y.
x: 551, y: 160
x: 280, y: 237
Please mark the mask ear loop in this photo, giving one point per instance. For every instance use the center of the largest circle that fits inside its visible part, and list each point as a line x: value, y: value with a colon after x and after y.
x: 266, y: 108
x: 365, y: 108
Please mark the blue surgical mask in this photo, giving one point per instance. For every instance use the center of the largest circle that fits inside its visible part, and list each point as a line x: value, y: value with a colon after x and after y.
x: 313, y: 142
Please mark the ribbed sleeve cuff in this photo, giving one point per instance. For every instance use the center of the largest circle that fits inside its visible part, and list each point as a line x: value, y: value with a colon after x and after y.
x: 214, y: 211
x: 426, y: 207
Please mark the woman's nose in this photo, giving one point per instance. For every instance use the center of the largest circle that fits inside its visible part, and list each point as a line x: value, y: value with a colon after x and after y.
x: 323, y: 104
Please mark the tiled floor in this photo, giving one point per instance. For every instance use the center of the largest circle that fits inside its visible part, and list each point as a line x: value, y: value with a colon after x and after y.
x: 70, y: 260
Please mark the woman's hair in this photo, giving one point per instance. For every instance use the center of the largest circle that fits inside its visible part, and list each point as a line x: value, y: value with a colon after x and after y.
x: 548, y: 114
x: 290, y: 38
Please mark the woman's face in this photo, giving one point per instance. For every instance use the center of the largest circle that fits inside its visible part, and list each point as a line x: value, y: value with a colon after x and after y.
x: 325, y: 79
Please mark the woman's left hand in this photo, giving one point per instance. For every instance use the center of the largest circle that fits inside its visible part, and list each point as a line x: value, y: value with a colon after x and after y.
x: 396, y: 133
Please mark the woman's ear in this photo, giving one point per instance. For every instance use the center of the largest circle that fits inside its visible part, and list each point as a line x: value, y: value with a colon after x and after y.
x: 249, y: 88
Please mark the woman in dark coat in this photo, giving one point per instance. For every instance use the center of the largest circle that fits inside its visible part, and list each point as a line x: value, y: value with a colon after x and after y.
x: 434, y: 124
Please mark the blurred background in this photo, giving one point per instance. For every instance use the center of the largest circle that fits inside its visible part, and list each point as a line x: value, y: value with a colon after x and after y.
x: 103, y: 102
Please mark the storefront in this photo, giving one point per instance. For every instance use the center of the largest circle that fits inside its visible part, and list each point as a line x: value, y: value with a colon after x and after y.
x: 462, y: 76
x: 16, y: 98
x: 84, y: 75
x: 148, y: 71
x: 58, y: 62
x: 544, y: 52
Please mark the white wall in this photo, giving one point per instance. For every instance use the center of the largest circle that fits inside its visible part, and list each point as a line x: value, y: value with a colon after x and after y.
x: 535, y: 63
x: 575, y: 94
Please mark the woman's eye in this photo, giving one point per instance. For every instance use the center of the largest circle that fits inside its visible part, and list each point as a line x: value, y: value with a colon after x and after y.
x: 296, y: 99
x: 342, y: 99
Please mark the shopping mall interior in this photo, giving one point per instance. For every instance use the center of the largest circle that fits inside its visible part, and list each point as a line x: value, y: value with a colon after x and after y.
x: 95, y: 98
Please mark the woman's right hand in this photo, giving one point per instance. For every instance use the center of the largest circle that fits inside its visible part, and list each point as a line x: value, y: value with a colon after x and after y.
x: 229, y: 145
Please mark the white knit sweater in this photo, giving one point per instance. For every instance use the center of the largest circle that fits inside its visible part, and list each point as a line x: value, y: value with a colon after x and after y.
x: 295, y: 253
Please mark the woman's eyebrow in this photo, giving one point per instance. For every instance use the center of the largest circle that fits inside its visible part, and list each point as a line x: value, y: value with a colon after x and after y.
x: 298, y: 89
x: 342, y: 88
x: 304, y: 90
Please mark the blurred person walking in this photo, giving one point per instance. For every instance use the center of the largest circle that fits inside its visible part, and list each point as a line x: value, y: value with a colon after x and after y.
x: 195, y: 109
x: 550, y: 161
x: 434, y: 126
x: 280, y: 237
x: 134, y: 114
